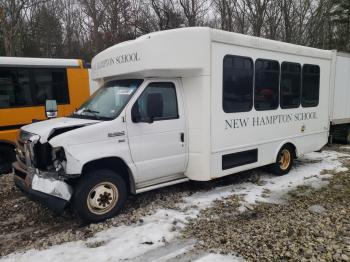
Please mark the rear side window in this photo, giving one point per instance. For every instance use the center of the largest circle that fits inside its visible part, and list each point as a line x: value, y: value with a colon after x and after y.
x: 21, y: 87
x: 15, y: 88
x: 267, y: 74
x: 290, y: 85
x: 158, y: 101
x: 311, y: 86
x: 237, y: 84
x: 50, y: 84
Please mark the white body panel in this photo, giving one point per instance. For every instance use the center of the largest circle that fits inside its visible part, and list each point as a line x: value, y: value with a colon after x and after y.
x: 156, y: 149
x: 94, y: 85
x: 340, y: 112
x: 237, y: 132
x: 92, y: 142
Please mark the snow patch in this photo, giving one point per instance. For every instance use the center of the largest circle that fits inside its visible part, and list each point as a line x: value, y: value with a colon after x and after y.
x: 218, y: 258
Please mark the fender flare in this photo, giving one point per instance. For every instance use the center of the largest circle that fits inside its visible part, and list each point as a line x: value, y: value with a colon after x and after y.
x: 113, y: 163
x: 285, y: 142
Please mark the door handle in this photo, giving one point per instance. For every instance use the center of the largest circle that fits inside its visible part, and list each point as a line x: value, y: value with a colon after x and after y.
x: 122, y: 133
x: 182, y: 137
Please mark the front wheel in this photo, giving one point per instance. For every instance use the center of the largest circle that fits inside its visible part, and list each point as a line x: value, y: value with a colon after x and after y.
x: 284, y: 161
x: 99, y: 195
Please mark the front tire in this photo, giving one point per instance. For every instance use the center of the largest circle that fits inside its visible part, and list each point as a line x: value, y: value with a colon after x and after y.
x: 284, y: 161
x: 99, y: 195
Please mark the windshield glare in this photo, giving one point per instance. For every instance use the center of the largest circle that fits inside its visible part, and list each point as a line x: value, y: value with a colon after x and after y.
x: 109, y: 100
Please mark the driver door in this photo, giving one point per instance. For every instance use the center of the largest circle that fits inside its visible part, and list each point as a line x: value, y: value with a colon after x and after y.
x: 156, y: 133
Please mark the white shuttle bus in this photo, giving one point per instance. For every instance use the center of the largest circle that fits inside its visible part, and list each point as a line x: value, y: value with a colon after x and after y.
x: 185, y: 104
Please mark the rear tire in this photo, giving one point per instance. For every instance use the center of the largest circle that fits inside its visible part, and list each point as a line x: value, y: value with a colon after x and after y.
x: 348, y: 136
x: 99, y: 195
x: 284, y: 161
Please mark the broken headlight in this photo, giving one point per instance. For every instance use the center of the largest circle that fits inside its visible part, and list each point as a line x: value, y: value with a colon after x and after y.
x: 59, y: 159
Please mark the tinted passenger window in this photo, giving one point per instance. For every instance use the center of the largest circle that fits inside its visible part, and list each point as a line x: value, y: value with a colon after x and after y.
x: 290, y: 85
x: 158, y: 101
x: 15, y: 88
x: 237, y: 84
x: 267, y: 74
x: 50, y: 84
x: 311, y: 86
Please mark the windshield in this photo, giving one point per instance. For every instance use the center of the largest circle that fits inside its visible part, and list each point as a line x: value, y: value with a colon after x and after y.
x: 109, y: 100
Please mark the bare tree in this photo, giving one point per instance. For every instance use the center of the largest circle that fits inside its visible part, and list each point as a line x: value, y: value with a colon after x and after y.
x: 340, y: 17
x: 240, y: 14
x: 82, y: 28
x: 194, y: 11
x: 11, y: 20
x: 118, y: 21
x: 223, y: 8
x: 44, y: 33
x: 95, y: 15
x: 257, y: 13
x: 273, y: 21
x: 233, y: 15
x: 168, y: 16
x: 288, y: 11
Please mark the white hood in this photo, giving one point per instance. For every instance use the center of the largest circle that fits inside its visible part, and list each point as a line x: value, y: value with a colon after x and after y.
x: 45, y: 128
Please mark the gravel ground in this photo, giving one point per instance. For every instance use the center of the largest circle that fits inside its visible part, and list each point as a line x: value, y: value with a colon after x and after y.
x: 25, y: 224
x: 313, y: 225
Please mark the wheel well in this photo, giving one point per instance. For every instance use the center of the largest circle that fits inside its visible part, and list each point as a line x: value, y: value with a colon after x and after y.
x: 8, y: 148
x: 293, y: 147
x: 115, y: 164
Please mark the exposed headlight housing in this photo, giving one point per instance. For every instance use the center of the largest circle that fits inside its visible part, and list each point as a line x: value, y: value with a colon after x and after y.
x: 59, y: 158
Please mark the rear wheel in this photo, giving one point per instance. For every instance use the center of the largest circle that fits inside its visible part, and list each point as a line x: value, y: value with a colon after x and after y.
x: 284, y: 160
x: 348, y: 136
x: 99, y: 195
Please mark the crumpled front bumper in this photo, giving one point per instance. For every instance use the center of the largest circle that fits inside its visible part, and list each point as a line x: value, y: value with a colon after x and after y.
x: 52, y: 193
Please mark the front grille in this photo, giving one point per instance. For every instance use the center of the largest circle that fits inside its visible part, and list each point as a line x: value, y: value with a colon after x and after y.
x: 42, y: 157
x: 23, y: 137
x: 25, y: 148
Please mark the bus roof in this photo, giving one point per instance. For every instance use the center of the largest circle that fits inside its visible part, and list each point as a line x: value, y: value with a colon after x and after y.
x: 181, y: 52
x: 39, y: 62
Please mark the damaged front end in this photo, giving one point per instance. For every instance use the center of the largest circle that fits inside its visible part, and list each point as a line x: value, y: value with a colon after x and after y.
x: 40, y: 172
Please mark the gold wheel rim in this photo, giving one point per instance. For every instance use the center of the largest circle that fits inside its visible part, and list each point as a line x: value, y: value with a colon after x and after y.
x: 285, y: 159
x: 102, y: 198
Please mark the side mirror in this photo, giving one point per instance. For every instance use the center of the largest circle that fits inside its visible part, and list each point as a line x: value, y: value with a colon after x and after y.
x: 136, y: 116
x: 51, y: 109
x: 135, y: 113
x: 148, y: 120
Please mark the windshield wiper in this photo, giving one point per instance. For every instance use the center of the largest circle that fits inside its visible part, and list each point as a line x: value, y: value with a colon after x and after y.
x: 94, y: 112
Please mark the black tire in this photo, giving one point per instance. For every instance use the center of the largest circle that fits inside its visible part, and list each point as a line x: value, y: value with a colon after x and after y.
x: 282, y: 166
x: 85, y: 194
x: 347, y: 138
x: 7, y: 156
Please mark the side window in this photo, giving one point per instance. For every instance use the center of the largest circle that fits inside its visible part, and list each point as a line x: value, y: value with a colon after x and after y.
x: 237, y: 84
x: 311, y: 86
x: 267, y: 74
x: 290, y: 85
x: 51, y: 84
x: 15, y: 88
x: 158, y: 101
